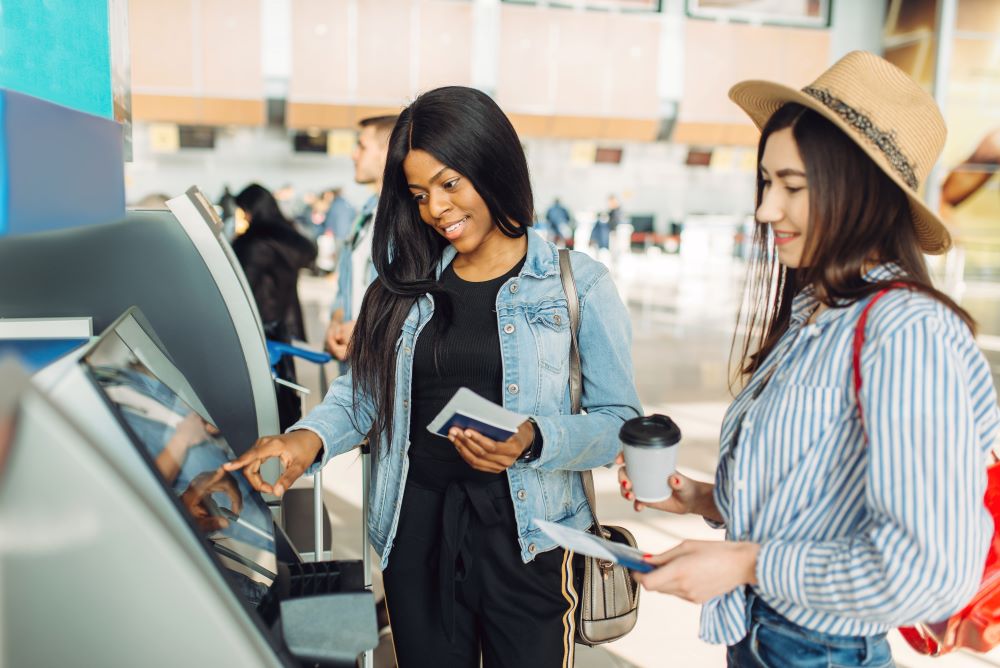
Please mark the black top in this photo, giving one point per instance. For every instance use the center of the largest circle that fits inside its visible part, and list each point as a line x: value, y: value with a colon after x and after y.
x: 468, y: 354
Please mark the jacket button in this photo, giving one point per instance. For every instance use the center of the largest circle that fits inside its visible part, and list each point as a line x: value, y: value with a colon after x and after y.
x: 513, y: 288
x: 522, y: 495
x: 513, y: 388
x: 532, y: 548
x: 508, y: 328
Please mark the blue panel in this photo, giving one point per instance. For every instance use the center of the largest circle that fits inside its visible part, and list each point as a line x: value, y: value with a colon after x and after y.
x: 58, y: 50
x: 3, y: 169
x: 64, y: 168
x: 38, y: 353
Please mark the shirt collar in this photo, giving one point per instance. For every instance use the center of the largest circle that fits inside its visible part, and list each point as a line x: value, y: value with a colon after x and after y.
x: 805, y: 302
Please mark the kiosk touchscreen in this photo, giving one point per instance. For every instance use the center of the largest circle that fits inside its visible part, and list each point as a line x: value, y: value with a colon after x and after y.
x: 186, y: 451
x: 93, y: 570
x: 320, y: 611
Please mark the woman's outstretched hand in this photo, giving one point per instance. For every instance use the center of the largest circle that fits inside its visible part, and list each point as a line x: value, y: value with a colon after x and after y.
x: 296, y: 450
x: 698, y: 570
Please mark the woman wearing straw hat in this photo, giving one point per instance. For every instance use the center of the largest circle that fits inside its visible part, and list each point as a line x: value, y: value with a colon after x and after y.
x: 838, y: 528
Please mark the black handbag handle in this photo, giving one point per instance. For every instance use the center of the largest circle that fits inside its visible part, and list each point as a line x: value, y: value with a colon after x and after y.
x: 576, y: 370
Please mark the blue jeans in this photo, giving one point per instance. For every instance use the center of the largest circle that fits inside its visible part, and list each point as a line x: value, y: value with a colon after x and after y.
x: 774, y: 642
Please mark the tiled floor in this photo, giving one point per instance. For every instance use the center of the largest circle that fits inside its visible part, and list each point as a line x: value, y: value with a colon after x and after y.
x: 683, y: 313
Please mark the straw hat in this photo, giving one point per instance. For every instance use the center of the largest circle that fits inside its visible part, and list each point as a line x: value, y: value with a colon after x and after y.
x: 883, y: 111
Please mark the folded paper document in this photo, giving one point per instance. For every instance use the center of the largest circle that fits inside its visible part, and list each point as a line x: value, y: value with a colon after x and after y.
x: 468, y: 410
x: 590, y: 545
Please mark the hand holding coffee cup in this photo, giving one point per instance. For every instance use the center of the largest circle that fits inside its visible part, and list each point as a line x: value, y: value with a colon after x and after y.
x: 684, y: 499
x: 649, y: 446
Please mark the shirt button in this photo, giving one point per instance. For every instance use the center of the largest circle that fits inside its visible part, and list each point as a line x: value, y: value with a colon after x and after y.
x: 508, y: 328
x: 557, y: 319
x: 532, y: 548
x: 513, y: 288
x: 740, y: 485
x: 522, y: 495
x: 407, y: 350
x: 748, y: 423
x: 406, y: 404
x: 513, y: 388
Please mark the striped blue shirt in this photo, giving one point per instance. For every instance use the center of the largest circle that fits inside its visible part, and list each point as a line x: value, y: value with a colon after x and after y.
x: 858, y: 536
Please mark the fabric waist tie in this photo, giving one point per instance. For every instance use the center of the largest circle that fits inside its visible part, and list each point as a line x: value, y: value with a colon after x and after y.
x: 461, y: 500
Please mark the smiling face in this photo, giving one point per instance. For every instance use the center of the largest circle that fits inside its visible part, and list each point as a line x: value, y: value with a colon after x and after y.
x: 449, y: 203
x: 784, y: 201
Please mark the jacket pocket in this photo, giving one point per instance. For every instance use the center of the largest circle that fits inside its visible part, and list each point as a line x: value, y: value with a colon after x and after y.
x: 549, y: 325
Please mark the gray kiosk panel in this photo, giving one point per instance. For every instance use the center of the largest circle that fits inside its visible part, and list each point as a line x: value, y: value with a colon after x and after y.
x: 149, y: 260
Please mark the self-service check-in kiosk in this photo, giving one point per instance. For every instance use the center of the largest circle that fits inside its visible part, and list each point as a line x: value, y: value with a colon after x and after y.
x: 122, y: 542
x: 125, y: 542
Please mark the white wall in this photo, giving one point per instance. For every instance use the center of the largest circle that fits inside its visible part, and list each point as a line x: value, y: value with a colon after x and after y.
x: 651, y: 178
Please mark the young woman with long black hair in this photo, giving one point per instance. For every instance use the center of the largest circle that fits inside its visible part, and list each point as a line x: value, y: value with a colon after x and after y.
x: 840, y: 528
x: 272, y: 252
x: 468, y: 296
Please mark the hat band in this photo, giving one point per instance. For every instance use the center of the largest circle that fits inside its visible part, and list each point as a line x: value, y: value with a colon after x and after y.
x: 884, y: 141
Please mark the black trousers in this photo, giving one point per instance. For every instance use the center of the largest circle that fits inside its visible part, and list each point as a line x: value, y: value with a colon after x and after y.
x: 456, y: 588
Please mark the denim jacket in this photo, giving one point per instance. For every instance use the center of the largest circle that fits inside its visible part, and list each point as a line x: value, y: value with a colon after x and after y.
x: 345, y: 271
x: 533, y: 324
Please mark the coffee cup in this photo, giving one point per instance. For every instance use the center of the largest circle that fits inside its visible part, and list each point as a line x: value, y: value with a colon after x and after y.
x: 650, y: 446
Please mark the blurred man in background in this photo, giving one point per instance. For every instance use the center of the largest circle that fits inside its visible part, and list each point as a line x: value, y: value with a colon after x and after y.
x: 354, y: 264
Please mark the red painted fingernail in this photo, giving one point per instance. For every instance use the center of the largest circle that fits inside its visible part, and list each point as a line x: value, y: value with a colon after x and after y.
x: 629, y: 496
x: 647, y: 556
x: 676, y: 481
x: 623, y: 483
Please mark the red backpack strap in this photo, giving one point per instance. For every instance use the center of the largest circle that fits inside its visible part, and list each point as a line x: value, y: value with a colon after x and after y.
x: 920, y: 642
x: 859, y: 342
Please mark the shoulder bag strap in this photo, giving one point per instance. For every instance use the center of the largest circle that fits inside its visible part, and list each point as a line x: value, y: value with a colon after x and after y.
x: 576, y: 370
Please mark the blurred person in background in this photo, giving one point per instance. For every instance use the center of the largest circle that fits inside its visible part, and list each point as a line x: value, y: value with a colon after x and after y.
x: 557, y: 223
x: 336, y: 226
x: 614, y: 212
x: 287, y: 200
x: 272, y: 252
x: 844, y: 519
x: 355, y: 271
x: 606, y: 221
x: 468, y: 296
x: 340, y: 215
x: 227, y: 211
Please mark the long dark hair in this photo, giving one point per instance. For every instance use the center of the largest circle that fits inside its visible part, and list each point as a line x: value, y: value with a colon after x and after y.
x: 464, y: 129
x: 258, y: 202
x: 857, y: 215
